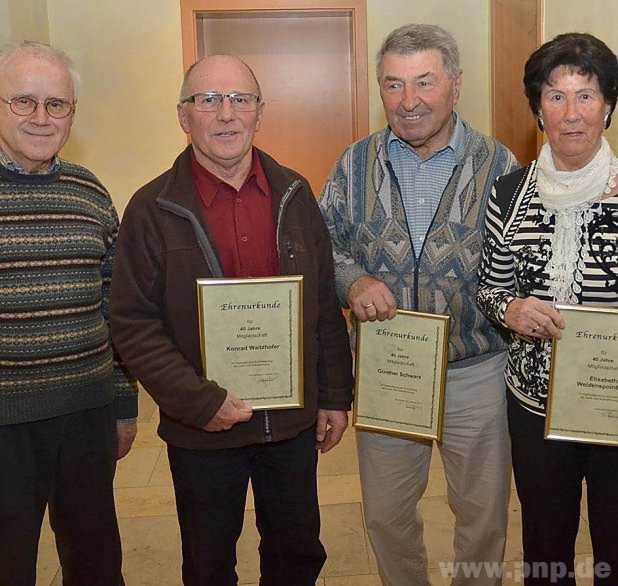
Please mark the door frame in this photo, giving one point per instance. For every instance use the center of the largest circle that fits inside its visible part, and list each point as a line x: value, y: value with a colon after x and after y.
x: 517, y: 29
x: 189, y: 9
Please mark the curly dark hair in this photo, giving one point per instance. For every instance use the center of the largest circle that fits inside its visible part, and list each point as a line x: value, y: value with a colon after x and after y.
x: 581, y: 52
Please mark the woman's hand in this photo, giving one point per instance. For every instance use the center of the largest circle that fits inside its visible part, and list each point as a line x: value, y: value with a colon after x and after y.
x: 533, y: 318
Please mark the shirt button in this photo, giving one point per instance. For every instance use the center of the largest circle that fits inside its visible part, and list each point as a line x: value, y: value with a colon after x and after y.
x: 244, y: 238
x: 238, y: 201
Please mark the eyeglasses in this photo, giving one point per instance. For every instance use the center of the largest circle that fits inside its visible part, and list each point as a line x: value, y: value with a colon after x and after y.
x: 211, y: 101
x: 26, y: 105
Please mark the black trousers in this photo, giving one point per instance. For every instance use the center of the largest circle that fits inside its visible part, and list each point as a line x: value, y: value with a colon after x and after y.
x: 211, y: 488
x: 548, y: 477
x: 68, y: 463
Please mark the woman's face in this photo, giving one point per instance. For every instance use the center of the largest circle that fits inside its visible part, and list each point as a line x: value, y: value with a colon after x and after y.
x: 573, y: 110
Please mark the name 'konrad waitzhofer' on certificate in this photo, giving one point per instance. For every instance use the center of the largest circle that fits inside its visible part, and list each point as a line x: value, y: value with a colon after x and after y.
x: 251, y: 338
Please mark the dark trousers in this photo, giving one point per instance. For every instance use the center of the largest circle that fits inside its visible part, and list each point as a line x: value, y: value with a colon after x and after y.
x: 211, y: 488
x: 68, y: 463
x: 548, y: 477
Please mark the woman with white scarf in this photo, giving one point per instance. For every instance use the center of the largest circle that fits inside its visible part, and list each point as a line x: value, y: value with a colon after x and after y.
x: 552, y: 237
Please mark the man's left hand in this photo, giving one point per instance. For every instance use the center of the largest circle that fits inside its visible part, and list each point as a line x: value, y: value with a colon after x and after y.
x: 330, y: 428
x: 126, y: 432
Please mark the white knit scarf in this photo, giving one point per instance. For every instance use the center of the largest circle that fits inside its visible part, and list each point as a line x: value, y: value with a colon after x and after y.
x: 573, y: 197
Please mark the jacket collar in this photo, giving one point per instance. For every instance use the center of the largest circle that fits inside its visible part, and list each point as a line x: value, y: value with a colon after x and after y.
x: 179, y: 187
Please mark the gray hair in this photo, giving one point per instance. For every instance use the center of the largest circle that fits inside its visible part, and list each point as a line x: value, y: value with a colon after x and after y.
x: 7, y: 51
x: 414, y: 38
x: 184, y: 88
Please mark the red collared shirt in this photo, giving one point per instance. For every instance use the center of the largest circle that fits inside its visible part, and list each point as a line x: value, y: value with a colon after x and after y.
x: 240, y: 223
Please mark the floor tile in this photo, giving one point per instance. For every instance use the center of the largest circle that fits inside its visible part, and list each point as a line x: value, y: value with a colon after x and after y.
x: 319, y: 582
x: 438, y: 530
x: 584, y: 504
x: 57, y: 581
x: 147, y: 436
x: 584, y: 568
x: 146, y: 407
x: 342, y: 459
x: 151, y: 551
x: 343, y: 535
x: 514, y: 550
x: 151, y: 541
x: 373, y: 564
x: 367, y: 580
x: 145, y: 501
x: 161, y: 475
x: 436, y: 460
x: 47, y: 563
x: 248, y: 567
x: 136, y: 467
x: 583, y: 544
x: 344, y: 488
x: 436, y: 485
x: 436, y: 578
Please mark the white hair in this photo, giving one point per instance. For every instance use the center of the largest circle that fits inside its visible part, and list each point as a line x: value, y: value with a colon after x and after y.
x: 45, y: 50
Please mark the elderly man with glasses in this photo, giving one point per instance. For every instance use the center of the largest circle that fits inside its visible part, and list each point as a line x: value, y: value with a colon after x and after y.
x: 66, y: 407
x: 227, y: 209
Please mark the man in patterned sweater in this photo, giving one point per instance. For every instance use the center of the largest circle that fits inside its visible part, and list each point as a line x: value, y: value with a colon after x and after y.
x: 67, y: 410
x: 404, y: 207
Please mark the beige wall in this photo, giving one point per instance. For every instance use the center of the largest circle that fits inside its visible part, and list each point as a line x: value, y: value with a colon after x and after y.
x: 23, y: 19
x: 5, y: 25
x: 467, y: 20
x: 597, y: 17
x: 129, y: 57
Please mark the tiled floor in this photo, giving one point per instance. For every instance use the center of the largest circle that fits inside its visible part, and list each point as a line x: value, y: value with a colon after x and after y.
x: 151, y: 540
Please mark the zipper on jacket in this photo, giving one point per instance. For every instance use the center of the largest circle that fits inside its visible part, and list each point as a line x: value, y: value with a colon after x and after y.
x: 417, y: 260
x: 289, y: 192
x: 268, y: 437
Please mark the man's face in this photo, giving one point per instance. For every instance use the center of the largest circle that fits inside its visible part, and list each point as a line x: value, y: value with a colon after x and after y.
x: 221, y: 139
x: 32, y: 141
x: 419, y: 96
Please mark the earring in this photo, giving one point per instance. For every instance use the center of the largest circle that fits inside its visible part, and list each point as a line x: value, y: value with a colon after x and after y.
x: 606, y: 120
x: 539, y: 121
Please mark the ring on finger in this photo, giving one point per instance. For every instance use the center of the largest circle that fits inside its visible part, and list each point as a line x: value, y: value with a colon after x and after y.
x: 368, y: 305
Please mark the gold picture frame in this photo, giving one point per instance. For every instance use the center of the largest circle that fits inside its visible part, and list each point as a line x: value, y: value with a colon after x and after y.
x: 401, y: 367
x: 582, y: 404
x: 251, y: 338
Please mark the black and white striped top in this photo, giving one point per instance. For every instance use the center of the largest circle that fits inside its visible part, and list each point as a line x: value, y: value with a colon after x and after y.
x: 516, y: 254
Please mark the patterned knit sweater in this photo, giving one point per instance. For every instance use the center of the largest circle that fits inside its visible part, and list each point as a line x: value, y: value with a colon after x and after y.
x: 57, y: 237
x: 363, y: 209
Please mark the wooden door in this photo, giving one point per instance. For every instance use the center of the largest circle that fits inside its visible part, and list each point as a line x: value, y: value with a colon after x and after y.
x: 311, y: 61
x: 516, y: 31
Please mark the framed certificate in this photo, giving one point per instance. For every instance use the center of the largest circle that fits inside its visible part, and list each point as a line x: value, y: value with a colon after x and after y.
x: 583, y: 382
x: 251, y: 338
x: 401, y: 374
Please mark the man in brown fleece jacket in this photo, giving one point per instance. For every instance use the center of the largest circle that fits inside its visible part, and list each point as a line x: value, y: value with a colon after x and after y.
x: 226, y: 209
